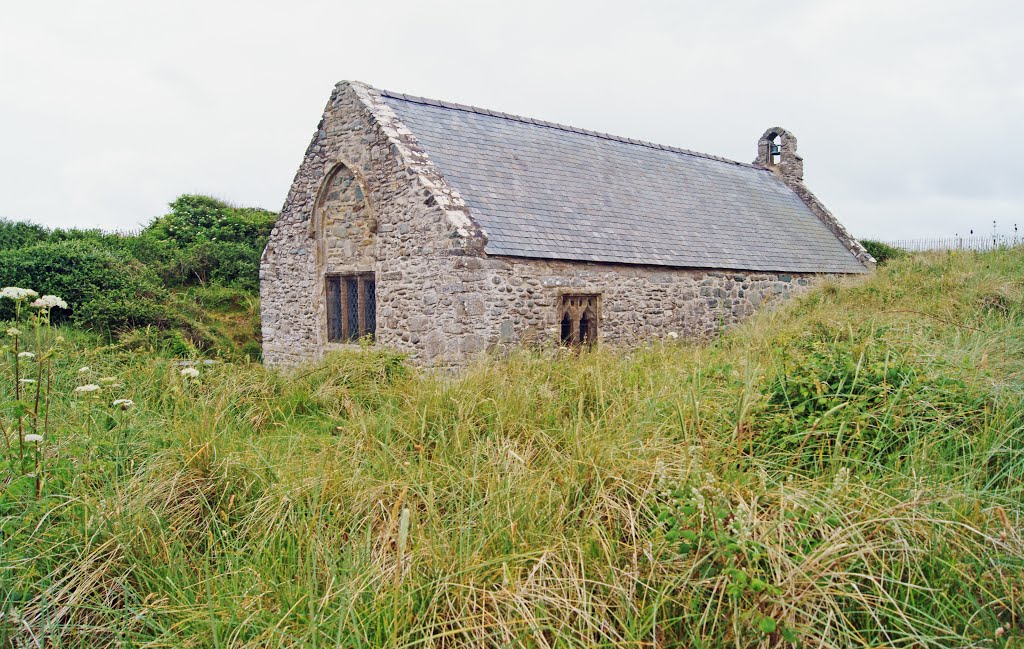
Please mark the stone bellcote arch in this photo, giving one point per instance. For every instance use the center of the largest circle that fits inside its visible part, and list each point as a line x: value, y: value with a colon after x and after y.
x: 776, y: 150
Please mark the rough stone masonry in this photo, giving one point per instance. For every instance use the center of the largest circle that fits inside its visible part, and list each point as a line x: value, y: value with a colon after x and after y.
x: 446, y: 231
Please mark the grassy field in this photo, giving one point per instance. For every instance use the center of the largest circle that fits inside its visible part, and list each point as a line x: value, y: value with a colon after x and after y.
x: 847, y: 471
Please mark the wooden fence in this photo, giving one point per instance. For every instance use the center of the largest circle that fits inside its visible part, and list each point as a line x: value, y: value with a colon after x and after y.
x: 976, y: 242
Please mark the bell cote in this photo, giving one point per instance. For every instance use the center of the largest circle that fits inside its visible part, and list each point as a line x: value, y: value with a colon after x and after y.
x: 776, y: 150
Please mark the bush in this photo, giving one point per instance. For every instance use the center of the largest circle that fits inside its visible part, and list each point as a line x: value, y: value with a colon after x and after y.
x: 116, y: 282
x: 882, y: 252
x: 202, y: 218
x: 18, y: 234
x: 105, y: 290
x: 205, y: 240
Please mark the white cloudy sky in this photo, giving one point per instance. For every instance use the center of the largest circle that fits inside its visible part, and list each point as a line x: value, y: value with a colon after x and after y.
x: 907, y: 111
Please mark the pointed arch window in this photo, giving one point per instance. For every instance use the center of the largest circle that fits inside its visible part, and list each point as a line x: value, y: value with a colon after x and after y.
x: 579, y: 316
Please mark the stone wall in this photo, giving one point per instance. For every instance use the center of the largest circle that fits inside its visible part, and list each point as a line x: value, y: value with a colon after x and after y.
x: 506, y: 302
x: 367, y: 197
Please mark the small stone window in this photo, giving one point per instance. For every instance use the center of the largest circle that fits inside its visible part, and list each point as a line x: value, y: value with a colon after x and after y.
x: 351, y: 307
x: 579, y: 316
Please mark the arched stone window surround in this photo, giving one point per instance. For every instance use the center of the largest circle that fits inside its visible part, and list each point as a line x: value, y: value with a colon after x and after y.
x: 579, y: 316
x: 316, y: 226
x: 317, y: 231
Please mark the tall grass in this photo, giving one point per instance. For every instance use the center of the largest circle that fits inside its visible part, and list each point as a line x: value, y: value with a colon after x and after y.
x: 845, y: 471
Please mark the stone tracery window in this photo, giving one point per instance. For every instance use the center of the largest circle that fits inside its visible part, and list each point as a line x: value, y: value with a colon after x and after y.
x: 578, y: 315
x: 351, y: 307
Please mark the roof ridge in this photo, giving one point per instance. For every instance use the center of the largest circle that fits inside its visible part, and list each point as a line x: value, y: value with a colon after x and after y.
x: 562, y: 127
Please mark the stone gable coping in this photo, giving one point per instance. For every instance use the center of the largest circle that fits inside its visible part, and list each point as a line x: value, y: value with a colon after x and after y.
x: 435, y: 186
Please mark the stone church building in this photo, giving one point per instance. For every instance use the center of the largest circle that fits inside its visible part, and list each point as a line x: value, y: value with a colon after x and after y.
x: 444, y: 231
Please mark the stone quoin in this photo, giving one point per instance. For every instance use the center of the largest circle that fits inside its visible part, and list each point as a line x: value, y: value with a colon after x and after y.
x: 447, y: 231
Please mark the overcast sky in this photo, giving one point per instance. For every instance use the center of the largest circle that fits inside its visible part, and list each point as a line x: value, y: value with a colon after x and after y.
x: 907, y: 112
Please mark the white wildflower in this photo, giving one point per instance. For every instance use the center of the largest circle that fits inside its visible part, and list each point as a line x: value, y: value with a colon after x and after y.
x: 673, y: 335
x: 124, y: 404
x: 841, y: 479
x: 32, y: 438
x: 743, y: 522
x: 84, y: 370
x: 26, y: 355
x: 13, y: 331
x: 26, y: 381
x: 107, y: 380
x: 17, y: 294
x: 190, y: 372
x: 88, y: 387
x: 49, y: 302
x: 698, y: 499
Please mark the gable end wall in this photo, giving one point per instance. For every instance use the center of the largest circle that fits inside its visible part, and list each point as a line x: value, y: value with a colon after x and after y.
x: 420, y: 224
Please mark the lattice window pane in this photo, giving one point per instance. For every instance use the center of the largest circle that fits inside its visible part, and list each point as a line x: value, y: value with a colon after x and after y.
x: 334, y: 333
x: 370, y: 314
x: 352, y: 309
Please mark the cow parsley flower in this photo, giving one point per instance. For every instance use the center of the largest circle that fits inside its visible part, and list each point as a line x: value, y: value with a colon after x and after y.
x: 124, y: 404
x: 49, y: 302
x: 32, y: 438
x: 13, y: 331
x: 26, y: 355
x: 84, y: 370
x: 26, y: 381
x: 190, y: 372
x: 673, y: 335
x: 87, y: 388
x: 107, y: 380
x: 17, y: 294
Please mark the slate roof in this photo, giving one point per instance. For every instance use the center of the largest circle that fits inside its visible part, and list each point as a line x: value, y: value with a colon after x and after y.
x: 548, y: 191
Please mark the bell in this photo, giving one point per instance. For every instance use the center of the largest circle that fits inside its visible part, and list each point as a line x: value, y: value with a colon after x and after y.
x: 773, y: 150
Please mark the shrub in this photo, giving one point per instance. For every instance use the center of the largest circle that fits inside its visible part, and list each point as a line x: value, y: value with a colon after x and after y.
x: 208, y: 241
x: 882, y: 252
x: 18, y: 234
x: 116, y: 282
x: 104, y: 289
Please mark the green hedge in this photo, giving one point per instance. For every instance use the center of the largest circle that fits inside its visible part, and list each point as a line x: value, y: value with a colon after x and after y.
x: 104, y: 289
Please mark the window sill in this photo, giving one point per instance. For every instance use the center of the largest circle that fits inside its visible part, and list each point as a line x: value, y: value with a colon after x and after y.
x: 333, y: 347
